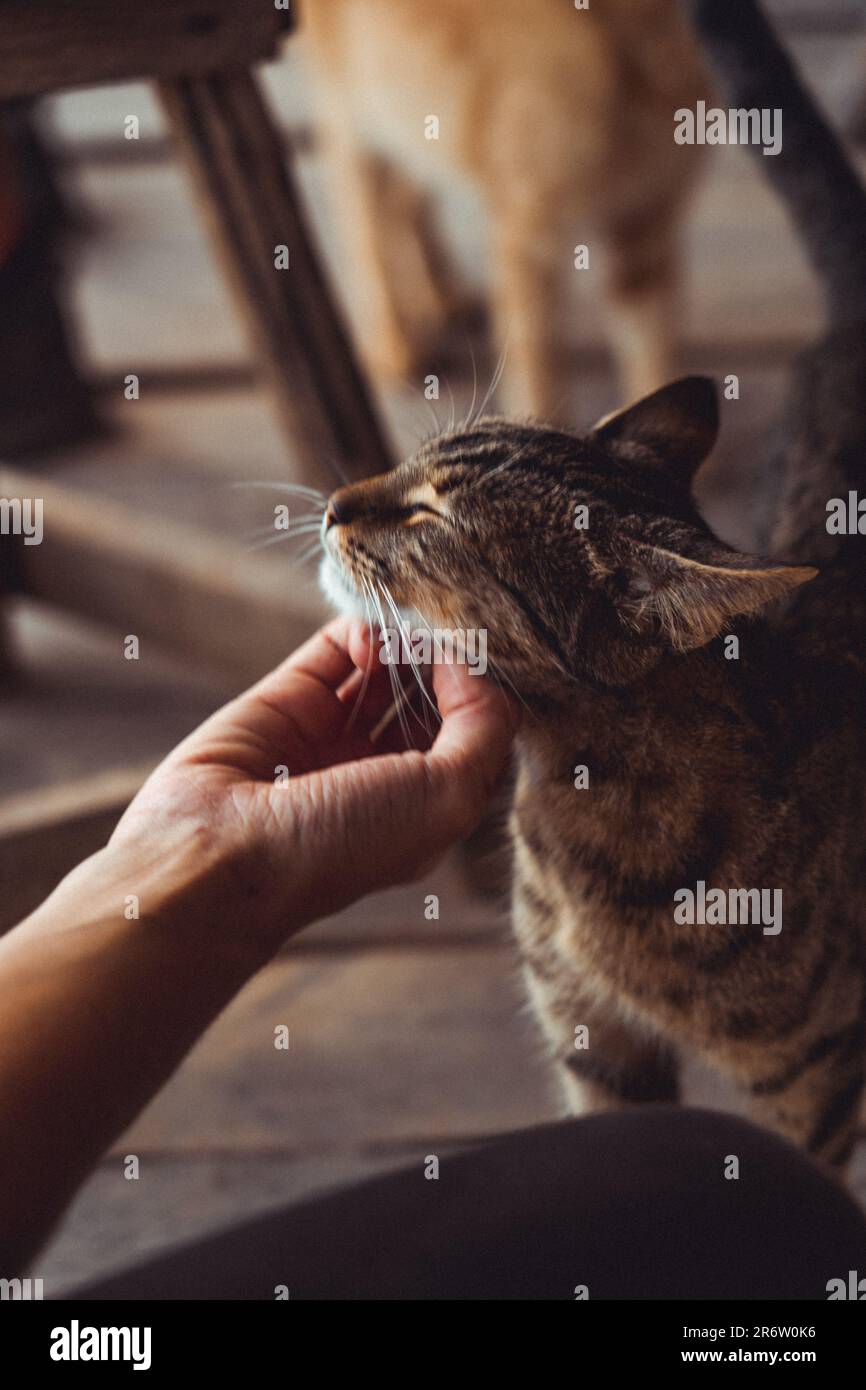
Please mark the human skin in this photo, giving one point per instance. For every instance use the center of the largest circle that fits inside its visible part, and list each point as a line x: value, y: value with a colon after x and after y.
x: 97, y: 1009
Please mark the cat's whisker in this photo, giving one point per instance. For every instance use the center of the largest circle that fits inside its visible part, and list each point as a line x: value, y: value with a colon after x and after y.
x: 494, y: 382
x: 415, y: 667
x: 305, y: 519
x: 416, y: 390
x: 401, y: 698
x: 412, y: 667
x: 301, y: 489
x: 396, y: 688
x: 435, y: 418
x: 359, y: 700
x: 437, y: 644
x: 490, y: 664
x: 288, y: 535
x: 471, y: 409
x: 397, y: 708
x: 307, y: 554
x: 452, y: 415
x: 336, y: 465
x: 396, y: 685
x: 499, y: 676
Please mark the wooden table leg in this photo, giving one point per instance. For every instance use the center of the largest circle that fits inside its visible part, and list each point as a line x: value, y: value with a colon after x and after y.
x: 247, y: 193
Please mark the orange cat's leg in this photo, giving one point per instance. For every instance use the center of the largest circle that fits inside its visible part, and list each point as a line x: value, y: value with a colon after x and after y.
x: 531, y: 260
x: 641, y: 294
x: 429, y: 292
x: 362, y: 190
x: 400, y: 295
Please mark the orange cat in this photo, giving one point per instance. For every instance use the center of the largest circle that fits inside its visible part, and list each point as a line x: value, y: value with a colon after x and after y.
x: 563, y: 118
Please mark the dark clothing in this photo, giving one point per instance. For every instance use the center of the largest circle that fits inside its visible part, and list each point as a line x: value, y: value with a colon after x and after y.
x: 631, y: 1205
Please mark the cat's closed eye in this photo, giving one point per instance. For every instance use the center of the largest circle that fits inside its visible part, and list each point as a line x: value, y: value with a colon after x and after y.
x: 416, y: 510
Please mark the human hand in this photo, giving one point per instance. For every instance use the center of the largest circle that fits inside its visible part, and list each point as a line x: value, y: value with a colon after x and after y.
x: 350, y: 816
x: 221, y: 862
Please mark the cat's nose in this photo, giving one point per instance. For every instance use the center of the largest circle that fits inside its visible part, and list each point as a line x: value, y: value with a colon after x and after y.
x: 338, y: 511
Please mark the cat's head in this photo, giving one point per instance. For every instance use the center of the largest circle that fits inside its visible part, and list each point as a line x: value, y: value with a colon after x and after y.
x: 580, y: 557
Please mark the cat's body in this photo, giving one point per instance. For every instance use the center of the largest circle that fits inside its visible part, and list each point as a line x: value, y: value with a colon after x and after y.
x: 745, y: 773
x: 563, y: 119
x: 739, y: 771
x: 731, y: 773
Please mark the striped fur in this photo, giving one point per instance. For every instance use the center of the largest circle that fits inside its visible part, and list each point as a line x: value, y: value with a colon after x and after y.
x: 738, y: 773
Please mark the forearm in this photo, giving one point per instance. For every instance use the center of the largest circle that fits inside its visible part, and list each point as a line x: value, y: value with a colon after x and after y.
x: 96, y: 1012
x: 222, y: 863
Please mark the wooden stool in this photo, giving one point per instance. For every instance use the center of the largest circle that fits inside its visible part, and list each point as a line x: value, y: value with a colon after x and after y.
x: 172, y: 585
x: 200, y: 53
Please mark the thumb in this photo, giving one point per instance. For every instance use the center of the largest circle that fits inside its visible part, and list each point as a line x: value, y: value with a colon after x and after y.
x: 464, y: 764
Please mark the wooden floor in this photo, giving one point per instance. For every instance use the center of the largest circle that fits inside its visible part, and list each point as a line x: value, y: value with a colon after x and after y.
x: 407, y: 1037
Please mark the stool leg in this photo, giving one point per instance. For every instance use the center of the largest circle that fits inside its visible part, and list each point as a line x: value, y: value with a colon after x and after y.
x: 221, y: 125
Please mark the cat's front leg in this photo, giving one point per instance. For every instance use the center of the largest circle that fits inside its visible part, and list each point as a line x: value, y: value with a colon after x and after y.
x: 604, y: 1059
x: 814, y: 1098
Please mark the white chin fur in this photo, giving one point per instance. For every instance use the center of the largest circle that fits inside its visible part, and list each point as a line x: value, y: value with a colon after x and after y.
x: 338, y: 592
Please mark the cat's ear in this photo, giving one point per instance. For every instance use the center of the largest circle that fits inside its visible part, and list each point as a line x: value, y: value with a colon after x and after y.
x: 675, y: 427
x: 688, y: 602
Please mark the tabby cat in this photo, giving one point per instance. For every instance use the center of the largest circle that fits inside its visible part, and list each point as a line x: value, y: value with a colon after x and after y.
x: 561, y: 119
x: 711, y: 764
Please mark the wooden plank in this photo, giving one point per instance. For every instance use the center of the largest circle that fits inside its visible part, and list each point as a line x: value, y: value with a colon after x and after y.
x: 164, y: 582
x: 113, y: 150
x: 46, y: 833
x: 249, y: 200
x: 397, y: 917
x: 386, y: 1048
x: 46, y: 45
x: 39, y: 813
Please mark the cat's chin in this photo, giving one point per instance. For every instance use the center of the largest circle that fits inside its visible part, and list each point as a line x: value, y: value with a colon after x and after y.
x: 339, y: 592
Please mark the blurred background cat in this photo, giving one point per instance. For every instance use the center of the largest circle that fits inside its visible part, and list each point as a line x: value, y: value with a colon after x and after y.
x: 564, y: 125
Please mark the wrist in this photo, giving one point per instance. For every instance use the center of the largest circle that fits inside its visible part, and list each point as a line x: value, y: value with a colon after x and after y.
x: 202, y: 902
